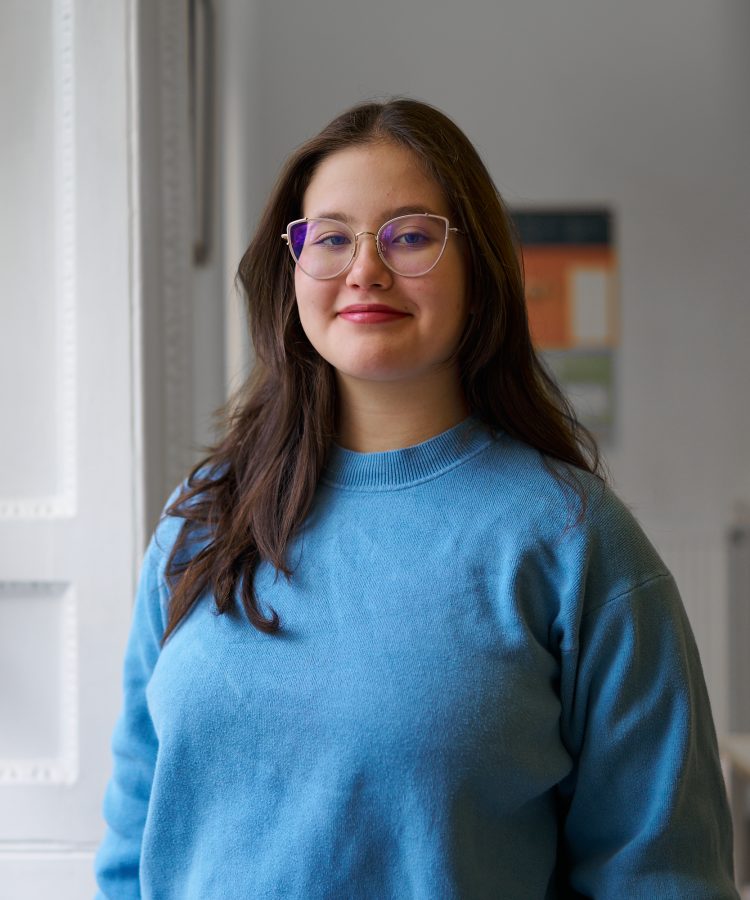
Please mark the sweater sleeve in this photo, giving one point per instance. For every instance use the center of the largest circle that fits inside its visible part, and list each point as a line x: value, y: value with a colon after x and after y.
x: 644, y: 811
x: 134, y: 743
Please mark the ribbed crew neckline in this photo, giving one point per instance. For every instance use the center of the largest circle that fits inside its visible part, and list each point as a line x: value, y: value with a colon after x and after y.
x: 399, y: 468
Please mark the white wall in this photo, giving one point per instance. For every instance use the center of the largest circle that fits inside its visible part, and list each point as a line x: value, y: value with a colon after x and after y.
x: 638, y: 106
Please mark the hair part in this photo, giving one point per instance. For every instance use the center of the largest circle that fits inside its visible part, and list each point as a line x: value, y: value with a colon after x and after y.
x: 256, y: 486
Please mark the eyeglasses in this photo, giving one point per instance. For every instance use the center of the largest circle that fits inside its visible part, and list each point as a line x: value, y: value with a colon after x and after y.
x: 409, y: 245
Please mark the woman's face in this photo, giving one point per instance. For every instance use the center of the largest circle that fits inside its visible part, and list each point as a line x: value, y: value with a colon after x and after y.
x: 365, y: 186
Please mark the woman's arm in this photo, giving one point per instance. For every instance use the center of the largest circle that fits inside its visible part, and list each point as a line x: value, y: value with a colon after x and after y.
x: 134, y: 742
x: 645, y: 812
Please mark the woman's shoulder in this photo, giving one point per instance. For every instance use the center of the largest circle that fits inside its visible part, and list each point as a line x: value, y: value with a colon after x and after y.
x: 170, y: 524
x: 521, y: 476
x: 176, y: 517
x: 573, y: 511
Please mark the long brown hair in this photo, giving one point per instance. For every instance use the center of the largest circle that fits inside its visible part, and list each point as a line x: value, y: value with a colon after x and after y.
x: 255, y: 488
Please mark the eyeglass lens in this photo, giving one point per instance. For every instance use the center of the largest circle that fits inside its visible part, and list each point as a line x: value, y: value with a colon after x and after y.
x: 409, y: 245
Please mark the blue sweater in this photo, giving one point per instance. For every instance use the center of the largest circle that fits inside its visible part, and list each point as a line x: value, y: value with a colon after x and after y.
x: 476, y: 693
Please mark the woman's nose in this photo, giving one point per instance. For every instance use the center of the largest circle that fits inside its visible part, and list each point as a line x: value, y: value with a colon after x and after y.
x: 368, y: 269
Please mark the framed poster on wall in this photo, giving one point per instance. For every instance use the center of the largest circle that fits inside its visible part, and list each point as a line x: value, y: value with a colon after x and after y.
x: 570, y: 268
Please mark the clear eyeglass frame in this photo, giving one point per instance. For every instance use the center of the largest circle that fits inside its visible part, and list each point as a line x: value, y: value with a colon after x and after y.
x: 378, y: 244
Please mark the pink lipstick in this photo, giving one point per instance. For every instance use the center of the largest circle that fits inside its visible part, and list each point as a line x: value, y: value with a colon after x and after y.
x: 371, y: 313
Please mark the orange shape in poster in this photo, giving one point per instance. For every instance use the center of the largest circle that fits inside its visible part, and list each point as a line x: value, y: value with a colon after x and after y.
x: 550, y: 271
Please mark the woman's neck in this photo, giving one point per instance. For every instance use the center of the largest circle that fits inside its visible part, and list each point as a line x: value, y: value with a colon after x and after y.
x: 388, y: 415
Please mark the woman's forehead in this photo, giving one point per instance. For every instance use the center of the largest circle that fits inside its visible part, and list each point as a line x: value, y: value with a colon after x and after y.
x: 382, y: 179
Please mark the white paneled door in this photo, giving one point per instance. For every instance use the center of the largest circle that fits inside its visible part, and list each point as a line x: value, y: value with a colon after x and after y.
x: 111, y: 359
x: 70, y: 442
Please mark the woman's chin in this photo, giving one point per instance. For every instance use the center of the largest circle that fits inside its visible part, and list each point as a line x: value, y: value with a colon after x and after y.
x: 376, y: 373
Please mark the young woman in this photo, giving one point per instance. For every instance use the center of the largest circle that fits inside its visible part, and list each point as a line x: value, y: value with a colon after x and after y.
x: 395, y: 638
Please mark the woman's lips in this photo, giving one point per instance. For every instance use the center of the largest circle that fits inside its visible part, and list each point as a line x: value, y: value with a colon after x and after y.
x: 371, y: 314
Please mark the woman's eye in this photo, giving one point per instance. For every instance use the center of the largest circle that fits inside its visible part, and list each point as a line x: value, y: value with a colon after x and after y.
x: 332, y: 240
x: 411, y: 239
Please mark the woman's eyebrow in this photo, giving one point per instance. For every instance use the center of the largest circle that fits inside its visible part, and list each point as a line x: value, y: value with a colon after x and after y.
x: 385, y: 215
x: 407, y: 211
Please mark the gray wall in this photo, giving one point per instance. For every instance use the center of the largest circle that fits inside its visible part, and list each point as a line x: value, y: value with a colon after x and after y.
x: 641, y: 106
